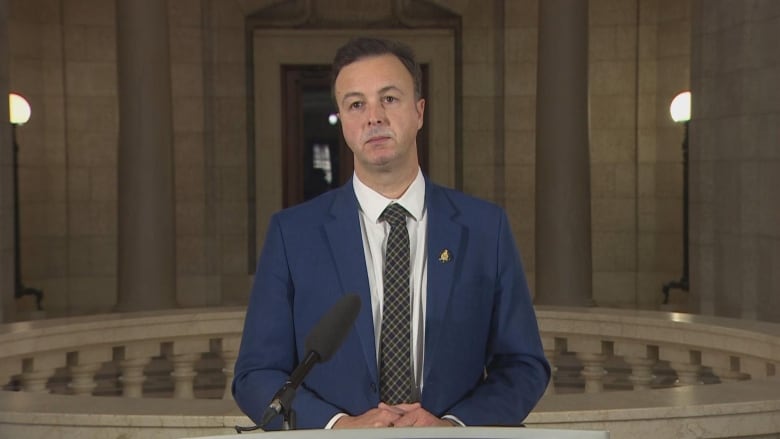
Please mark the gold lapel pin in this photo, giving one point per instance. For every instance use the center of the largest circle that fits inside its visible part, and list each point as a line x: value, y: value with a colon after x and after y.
x: 445, y: 256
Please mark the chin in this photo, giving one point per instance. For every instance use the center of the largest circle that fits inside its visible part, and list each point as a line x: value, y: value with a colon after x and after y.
x: 382, y: 161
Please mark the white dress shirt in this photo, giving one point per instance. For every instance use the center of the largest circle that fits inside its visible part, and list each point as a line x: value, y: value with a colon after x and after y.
x: 375, y: 233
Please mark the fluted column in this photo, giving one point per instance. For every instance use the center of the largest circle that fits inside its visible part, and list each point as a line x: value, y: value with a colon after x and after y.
x: 147, y: 268
x: 563, y: 250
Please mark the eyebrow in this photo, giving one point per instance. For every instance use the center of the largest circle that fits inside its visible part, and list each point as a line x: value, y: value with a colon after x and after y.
x: 355, y: 94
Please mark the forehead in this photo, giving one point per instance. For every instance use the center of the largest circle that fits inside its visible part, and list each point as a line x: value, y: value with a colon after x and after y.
x: 373, y: 73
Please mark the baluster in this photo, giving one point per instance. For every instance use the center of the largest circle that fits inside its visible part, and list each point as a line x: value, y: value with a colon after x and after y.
x: 133, y: 376
x: 37, y: 371
x: 229, y: 355
x: 183, y: 354
x: 9, y: 368
x: 550, y: 354
x: 728, y: 368
x: 757, y: 368
x: 83, y: 378
x: 641, y: 372
x: 83, y: 367
x: 591, y: 352
x: 35, y: 380
x: 551, y: 350
x: 687, y: 373
x: 732, y: 375
x: 184, y: 375
x: 593, y: 371
x: 230, y: 363
x: 133, y: 359
x: 685, y: 363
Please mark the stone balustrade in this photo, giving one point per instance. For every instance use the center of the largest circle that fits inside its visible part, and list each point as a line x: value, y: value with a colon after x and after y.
x: 629, y: 372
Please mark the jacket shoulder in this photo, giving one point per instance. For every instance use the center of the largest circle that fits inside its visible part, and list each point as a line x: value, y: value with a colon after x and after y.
x: 465, y: 204
x: 319, y: 209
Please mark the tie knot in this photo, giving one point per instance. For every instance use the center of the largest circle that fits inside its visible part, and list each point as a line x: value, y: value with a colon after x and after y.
x: 395, y: 215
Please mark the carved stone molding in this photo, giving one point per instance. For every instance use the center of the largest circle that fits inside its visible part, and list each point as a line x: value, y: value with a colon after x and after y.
x: 321, y: 14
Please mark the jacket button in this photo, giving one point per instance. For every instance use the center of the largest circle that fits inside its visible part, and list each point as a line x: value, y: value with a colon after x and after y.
x: 373, y: 387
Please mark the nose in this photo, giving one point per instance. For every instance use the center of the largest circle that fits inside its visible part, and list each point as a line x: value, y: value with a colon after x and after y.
x: 376, y: 114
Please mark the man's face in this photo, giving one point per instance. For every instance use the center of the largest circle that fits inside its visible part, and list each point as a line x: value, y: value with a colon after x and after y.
x: 379, y: 114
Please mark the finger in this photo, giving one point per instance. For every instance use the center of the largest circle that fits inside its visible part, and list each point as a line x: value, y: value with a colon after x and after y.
x: 407, y: 420
x: 391, y: 409
x: 408, y: 407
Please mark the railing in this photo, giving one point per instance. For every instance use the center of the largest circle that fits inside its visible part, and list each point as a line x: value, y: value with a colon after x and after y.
x: 614, y: 369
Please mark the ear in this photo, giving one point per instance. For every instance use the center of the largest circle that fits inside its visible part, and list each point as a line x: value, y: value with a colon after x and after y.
x: 420, y: 106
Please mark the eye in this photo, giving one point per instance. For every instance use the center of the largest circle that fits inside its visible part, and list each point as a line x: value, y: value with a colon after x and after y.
x: 390, y: 99
x: 355, y: 105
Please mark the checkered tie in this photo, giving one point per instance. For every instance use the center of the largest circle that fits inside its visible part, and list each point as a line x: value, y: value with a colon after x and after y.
x: 395, y: 354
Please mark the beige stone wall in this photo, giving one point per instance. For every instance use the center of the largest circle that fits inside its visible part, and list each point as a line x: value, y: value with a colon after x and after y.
x: 7, y: 263
x: 613, y: 147
x: 210, y: 152
x: 480, y: 114
x: 666, y: 25
x: 519, y: 114
x: 63, y: 57
x: 639, y: 57
x: 735, y: 154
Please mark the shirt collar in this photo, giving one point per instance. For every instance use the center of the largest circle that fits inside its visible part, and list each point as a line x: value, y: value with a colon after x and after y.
x: 372, y: 203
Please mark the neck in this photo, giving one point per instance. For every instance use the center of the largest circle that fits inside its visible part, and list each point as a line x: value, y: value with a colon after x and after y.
x: 389, y: 184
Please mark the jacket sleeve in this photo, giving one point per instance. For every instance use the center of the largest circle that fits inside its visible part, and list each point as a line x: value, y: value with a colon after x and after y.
x: 268, y: 353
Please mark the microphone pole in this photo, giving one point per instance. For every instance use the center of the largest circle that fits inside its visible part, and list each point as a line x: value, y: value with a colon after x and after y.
x: 321, y: 343
x: 282, y: 401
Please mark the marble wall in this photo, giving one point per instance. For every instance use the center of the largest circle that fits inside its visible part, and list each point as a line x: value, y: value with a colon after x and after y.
x: 63, y: 56
x: 7, y: 263
x: 735, y: 159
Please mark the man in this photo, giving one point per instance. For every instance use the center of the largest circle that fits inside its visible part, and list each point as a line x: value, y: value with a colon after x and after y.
x: 446, y: 334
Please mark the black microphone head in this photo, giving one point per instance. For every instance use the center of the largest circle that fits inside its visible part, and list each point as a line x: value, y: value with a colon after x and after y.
x: 328, y: 334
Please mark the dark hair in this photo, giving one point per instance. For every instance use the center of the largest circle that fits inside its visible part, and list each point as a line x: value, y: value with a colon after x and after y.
x: 359, y: 48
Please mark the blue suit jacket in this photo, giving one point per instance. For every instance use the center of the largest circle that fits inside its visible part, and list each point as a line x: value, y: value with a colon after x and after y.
x: 484, y: 361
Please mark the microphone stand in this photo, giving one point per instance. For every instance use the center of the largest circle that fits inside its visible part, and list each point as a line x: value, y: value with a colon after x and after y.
x: 286, y: 395
x: 288, y: 419
x: 281, y: 404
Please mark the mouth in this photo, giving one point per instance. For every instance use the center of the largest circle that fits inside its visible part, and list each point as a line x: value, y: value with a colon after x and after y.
x: 377, y: 136
x: 377, y: 139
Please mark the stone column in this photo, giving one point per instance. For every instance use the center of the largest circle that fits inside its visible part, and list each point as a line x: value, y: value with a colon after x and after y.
x: 7, y: 262
x: 563, y: 246
x: 147, y: 264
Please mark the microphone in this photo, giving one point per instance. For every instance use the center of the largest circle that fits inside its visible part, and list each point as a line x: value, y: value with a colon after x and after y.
x: 322, y: 342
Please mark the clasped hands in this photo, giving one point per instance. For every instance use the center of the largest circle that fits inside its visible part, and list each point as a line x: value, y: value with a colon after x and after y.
x: 401, y: 415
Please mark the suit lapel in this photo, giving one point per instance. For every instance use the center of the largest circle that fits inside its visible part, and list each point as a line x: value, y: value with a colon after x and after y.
x: 444, y: 248
x: 346, y: 243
